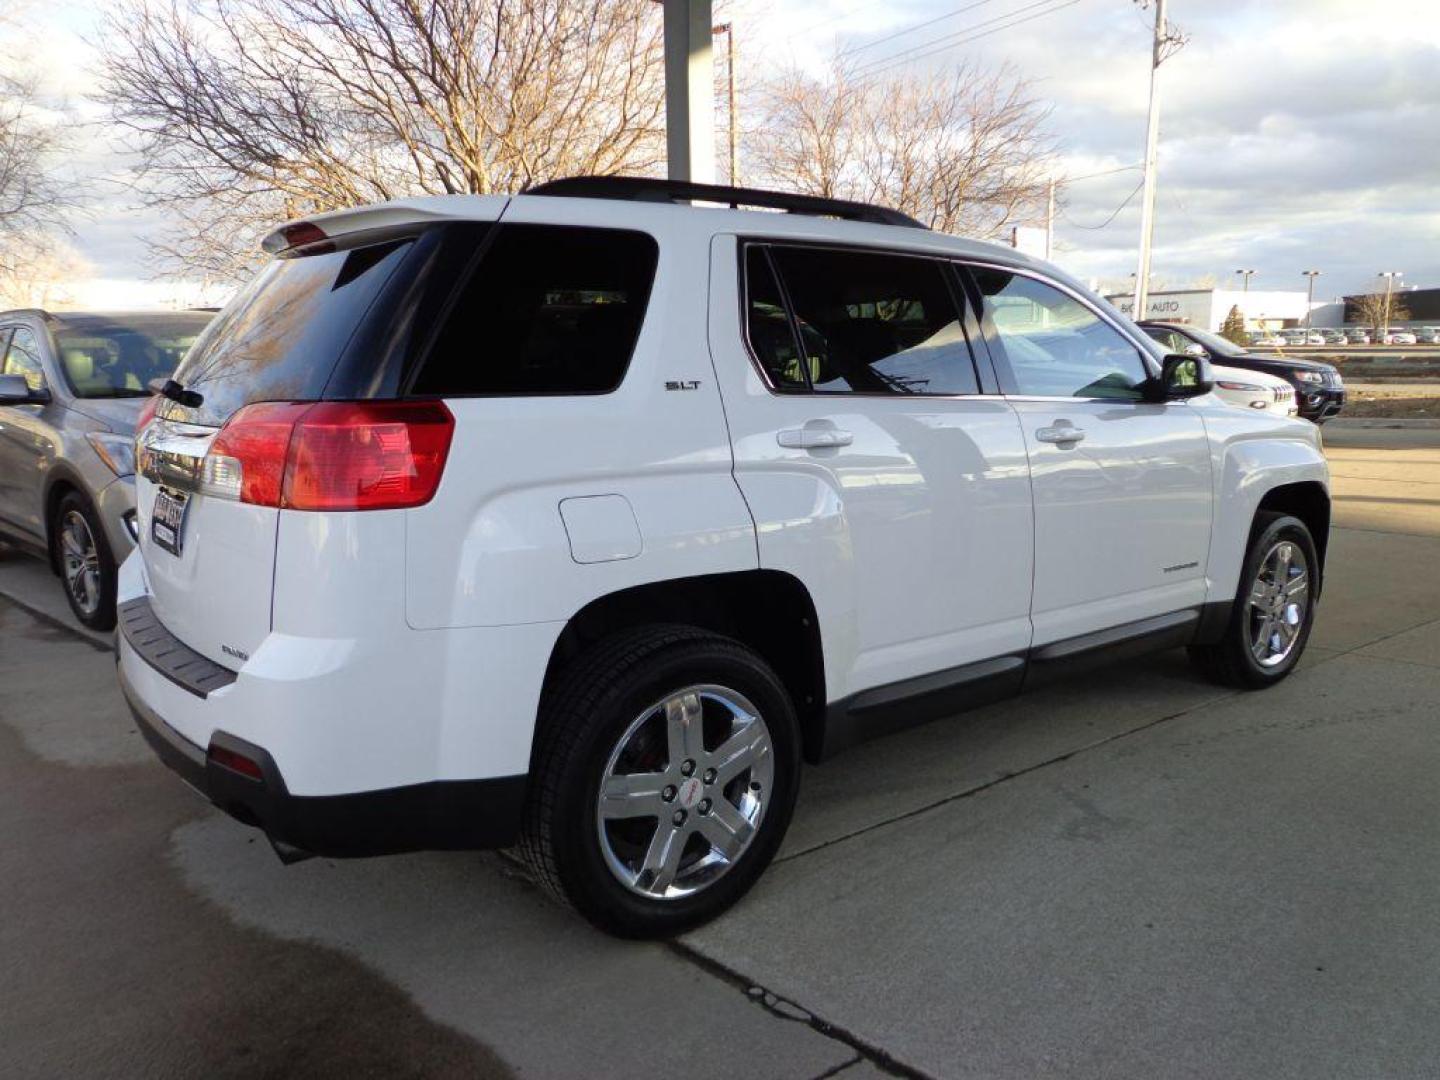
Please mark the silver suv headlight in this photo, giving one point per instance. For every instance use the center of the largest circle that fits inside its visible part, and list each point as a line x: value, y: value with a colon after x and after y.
x: 117, y: 451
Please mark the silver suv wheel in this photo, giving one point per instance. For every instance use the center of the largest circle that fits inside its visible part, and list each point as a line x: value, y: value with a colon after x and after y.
x: 80, y: 559
x: 684, y: 791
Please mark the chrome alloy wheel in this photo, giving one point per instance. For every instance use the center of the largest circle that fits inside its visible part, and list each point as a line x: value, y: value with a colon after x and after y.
x: 684, y: 791
x: 1279, y: 597
x: 80, y: 559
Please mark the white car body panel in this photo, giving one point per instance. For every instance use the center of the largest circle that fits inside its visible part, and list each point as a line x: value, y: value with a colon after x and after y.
x: 1121, y: 517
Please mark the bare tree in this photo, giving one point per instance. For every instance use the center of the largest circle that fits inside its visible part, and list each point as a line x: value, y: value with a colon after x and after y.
x: 40, y: 271
x: 963, y: 151
x: 35, y: 198
x: 1377, y: 311
x: 246, y: 111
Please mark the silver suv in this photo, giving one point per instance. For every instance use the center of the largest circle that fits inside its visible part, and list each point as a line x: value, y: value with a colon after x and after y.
x: 71, y: 389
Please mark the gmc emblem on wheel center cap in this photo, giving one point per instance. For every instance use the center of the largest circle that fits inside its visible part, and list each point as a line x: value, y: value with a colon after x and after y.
x: 690, y: 792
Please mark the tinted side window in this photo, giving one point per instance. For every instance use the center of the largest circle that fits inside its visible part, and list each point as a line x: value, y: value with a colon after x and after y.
x: 876, y: 323
x: 767, y: 325
x: 23, y: 358
x: 1055, y: 346
x: 549, y: 310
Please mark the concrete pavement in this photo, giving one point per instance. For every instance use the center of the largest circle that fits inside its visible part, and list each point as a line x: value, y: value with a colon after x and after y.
x: 1132, y: 875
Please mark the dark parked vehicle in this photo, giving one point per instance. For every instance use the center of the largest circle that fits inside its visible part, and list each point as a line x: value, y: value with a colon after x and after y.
x: 1319, y: 390
x: 71, y: 389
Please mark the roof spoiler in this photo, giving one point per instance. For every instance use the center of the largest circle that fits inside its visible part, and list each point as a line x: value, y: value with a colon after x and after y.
x: 400, y: 212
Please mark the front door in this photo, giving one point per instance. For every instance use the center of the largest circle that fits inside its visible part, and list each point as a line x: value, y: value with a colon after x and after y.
x: 876, y: 471
x: 1123, y: 487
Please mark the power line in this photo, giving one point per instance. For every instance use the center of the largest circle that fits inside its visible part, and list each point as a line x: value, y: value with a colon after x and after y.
x: 1111, y: 218
x: 959, y: 38
x: 912, y: 29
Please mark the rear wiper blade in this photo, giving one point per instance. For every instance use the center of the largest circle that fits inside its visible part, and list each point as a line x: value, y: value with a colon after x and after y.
x: 175, y: 392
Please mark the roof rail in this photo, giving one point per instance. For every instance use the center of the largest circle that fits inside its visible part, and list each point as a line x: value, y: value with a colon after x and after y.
x: 645, y: 189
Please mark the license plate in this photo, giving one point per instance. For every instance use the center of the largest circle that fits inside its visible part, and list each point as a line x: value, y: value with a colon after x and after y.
x: 167, y: 520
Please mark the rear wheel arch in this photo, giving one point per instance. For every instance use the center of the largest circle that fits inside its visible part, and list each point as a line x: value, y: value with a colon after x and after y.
x: 769, y: 611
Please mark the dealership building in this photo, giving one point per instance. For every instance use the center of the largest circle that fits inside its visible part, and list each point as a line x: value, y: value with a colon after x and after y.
x: 1207, y: 308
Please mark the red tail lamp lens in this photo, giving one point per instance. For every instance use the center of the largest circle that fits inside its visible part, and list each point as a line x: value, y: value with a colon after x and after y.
x: 380, y: 455
x: 247, y: 459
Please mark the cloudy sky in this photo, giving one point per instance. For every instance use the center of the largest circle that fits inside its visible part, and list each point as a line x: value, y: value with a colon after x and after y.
x: 1295, y: 134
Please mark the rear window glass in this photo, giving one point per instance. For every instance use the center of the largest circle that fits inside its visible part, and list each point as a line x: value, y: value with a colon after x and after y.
x: 549, y: 310
x: 280, y: 338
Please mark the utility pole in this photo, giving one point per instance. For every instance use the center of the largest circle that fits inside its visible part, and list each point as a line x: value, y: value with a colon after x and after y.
x: 1389, y: 276
x: 728, y: 30
x: 1246, y: 275
x: 689, y: 91
x: 1311, y: 275
x: 1152, y: 137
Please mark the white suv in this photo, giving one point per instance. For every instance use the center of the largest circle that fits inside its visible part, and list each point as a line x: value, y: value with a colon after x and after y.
x: 577, y: 520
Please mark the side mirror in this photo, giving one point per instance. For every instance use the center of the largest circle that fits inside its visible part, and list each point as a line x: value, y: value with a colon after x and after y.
x: 14, y: 390
x: 1196, y: 349
x: 1180, y: 377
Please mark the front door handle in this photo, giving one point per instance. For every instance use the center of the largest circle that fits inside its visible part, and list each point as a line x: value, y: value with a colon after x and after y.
x: 1063, y: 433
x: 812, y: 438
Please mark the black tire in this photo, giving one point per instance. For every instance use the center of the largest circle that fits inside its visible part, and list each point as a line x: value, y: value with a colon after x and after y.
x: 1230, y: 661
x: 583, y: 716
x: 102, y: 617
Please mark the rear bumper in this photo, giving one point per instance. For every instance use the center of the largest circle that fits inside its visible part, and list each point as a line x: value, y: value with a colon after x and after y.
x: 442, y: 814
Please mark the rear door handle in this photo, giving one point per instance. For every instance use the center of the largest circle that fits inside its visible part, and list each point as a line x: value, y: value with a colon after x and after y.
x: 1060, y: 434
x: 811, y: 438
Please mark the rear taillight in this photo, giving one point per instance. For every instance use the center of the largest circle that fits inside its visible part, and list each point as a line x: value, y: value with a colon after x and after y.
x: 360, y: 455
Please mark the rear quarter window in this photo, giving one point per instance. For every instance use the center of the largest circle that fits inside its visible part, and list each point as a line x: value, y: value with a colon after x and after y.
x: 549, y: 310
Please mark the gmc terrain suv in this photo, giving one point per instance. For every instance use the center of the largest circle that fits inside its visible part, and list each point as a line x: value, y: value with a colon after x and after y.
x: 578, y: 520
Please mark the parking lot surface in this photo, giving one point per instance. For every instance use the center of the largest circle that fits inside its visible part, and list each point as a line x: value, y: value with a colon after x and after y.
x: 1132, y: 875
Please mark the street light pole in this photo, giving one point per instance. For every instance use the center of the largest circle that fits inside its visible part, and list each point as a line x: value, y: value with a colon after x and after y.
x: 1389, y: 276
x: 1245, y: 276
x: 728, y: 30
x: 1311, y: 275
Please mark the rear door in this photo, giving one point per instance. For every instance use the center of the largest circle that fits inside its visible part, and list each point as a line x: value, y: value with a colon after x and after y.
x: 314, y: 322
x: 877, y: 471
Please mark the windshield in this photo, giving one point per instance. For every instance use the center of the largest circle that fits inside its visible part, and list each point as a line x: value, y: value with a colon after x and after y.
x: 1214, y: 343
x: 111, y: 356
